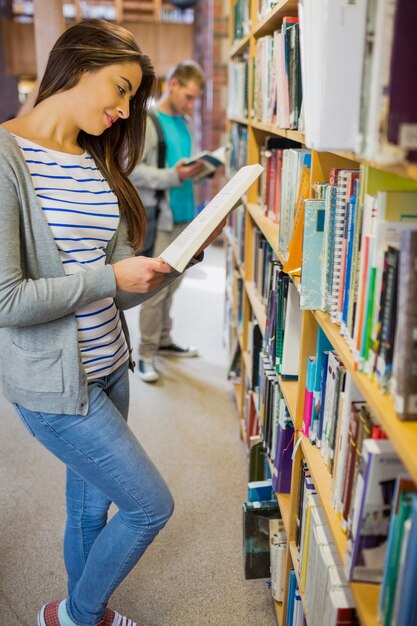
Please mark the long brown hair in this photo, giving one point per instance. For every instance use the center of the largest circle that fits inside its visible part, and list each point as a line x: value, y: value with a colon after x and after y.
x: 90, y: 45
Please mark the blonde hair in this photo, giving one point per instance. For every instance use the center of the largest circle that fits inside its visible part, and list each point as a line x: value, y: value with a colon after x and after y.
x: 186, y: 71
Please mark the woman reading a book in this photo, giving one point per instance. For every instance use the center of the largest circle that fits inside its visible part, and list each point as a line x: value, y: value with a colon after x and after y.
x: 71, y: 222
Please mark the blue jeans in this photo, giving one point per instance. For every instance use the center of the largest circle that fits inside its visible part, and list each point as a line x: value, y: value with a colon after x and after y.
x: 105, y: 463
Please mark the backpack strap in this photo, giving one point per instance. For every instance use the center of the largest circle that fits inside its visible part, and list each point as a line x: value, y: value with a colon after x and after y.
x: 161, y: 138
x: 162, y: 146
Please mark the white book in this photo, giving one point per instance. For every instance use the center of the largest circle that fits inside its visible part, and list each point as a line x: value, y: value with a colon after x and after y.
x: 292, y: 333
x: 183, y: 248
x: 210, y: 160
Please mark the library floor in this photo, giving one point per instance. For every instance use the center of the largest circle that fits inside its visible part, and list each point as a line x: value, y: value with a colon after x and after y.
x: 192, y: 575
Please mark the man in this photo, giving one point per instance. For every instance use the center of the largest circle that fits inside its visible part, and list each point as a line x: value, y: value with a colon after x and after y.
x: 170, y: 213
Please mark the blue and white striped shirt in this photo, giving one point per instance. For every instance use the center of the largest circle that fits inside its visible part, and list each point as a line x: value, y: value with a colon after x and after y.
x: 83, y: 214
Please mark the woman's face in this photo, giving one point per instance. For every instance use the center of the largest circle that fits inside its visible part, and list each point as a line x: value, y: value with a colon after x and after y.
x: 102, y: 96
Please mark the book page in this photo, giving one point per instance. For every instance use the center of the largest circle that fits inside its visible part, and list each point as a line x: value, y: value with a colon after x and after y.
x: 182, y: 249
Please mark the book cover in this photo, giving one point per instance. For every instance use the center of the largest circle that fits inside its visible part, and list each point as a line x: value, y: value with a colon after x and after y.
x: 340, y: 608
x: 323, y: 385
x: 179, y: 253
x: 375, y: 485
x: 308, y: 395
x: 311, y: 502
x: 402, y: 116
x: 311, y: 294
x: 401, y: 511
x: 323, y: 345
x: 292, y: 585
x: 292, y: 335
x: 282, y: 472
x: 256, y: 516
x: 387, y: 322
x: 278, y: 558
x: 210, y: 161
x: 407, y: 613
x: 405, y: 350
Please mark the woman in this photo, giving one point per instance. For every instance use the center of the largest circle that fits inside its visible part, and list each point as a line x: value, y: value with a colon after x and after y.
x: 71, y: 221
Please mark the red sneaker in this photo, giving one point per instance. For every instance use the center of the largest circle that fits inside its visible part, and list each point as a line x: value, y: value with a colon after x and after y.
x: 48, y: 615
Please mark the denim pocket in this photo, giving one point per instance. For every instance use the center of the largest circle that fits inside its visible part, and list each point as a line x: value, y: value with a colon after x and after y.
x: 23, y: 419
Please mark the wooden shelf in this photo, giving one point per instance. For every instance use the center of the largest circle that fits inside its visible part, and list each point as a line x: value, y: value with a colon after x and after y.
x: 294, y: 558
x: 322, y: 480
x: 289, y: 390
x: 366, y: 599
x: 279, y: 610
x: 402, y: 434
x: 274, y: 19
x: 284, y: 502
x: 239, y: 46
x: 248, y: 364
x: 257, y: 306
x: 239, y: 120
x: 266, y: 225
x: 271, y: 129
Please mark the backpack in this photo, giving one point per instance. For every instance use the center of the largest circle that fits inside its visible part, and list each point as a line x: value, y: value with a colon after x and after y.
x: 149, y: 243
x: 162, y: 147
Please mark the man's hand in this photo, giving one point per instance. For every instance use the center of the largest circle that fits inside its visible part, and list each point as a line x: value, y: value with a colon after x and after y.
x: 187, y: 172
x: 140, y: 274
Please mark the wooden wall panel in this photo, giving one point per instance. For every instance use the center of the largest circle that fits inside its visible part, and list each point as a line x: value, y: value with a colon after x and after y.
x: 165, y: 44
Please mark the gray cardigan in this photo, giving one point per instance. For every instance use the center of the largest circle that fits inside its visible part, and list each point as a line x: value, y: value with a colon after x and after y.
x: 147, y: 177
x: 40, y: 363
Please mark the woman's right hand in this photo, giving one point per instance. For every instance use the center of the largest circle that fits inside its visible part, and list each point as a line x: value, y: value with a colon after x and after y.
x: 140, y: 274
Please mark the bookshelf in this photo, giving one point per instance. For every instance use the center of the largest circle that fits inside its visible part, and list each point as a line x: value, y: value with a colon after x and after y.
x: 403, y: 435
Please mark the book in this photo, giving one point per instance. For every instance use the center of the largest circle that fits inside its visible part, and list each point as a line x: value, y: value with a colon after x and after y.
x: 405, y: 350
x: 292, y: 585
x: 210, y: 160
x: 407, y: 612
x: 375, y: 485
x: 402, y: 116
x: 181, y: 250
x: 311, y: 295
x: 401, y: 511
x: 308, y: 395
x: 278, y: 554
x: 256, y: 516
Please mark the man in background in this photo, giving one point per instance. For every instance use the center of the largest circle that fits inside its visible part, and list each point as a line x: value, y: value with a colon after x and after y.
x: 167, y: 193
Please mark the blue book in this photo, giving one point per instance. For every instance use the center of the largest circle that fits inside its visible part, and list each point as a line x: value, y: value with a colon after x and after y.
x: 260, y: 490
x: 407, y: 613
x: 312, y: 294
x: 349, y: 252
x: 323, y: 345
x: 292, y: 584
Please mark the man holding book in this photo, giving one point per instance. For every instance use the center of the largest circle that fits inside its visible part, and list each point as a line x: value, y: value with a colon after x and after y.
x: 166, y: 189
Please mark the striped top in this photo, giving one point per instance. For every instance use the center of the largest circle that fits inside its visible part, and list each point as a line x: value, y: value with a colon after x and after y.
x: 83, y: 214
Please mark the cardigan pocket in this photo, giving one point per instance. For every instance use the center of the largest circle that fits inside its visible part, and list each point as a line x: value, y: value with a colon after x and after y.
x: 37, y: 371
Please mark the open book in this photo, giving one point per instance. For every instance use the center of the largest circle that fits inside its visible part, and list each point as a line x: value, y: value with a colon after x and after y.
x: 183, y: 248
x: 210, y: 160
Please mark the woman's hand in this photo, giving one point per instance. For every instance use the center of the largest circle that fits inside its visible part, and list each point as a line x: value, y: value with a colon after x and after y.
x: 216, y: 232
x: 140, y: 274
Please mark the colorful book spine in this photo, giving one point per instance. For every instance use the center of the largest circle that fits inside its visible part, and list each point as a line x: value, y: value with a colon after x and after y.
x: 308, y: 395
x: 405, y: 358
x: 373, y: 498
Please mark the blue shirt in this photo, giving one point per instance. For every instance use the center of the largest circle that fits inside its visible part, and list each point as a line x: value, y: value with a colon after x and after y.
x: 178, y: 146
